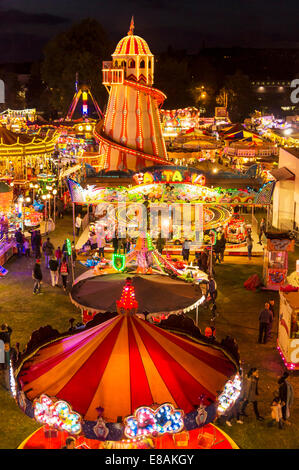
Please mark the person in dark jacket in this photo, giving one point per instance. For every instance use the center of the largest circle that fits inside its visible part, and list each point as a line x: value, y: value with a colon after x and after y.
x: 217, y: 250
x: 265, y: 319
x: 115, y: 243
x: 38, y: 244
x: 286, y: 395
x: 251, y: 392
x: 204, y: 257
x: 38, y: 277
x: 262, y: 230
x: 53, y: 263
x: 48, y: 250
x: 249, y: 243
x: 212, y: 289
x: 20, y: 241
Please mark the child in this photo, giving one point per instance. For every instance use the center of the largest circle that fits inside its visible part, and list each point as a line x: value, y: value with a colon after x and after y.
x: 27, y: 248
x: 276, y: 413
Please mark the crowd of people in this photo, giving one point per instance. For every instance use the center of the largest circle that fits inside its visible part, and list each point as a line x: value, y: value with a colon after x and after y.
x: 280, y: 406
x: 57, y: 261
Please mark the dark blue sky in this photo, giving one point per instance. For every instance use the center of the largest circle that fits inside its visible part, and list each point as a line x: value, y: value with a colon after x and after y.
x: 27, y: 24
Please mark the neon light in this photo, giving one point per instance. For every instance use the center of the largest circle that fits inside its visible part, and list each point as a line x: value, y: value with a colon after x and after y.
x: 57, y: 414
x: 118, y: 261
x: 231, y: 392
x: 68, y: 246
x: 149, y: 422
x: 127, y: 300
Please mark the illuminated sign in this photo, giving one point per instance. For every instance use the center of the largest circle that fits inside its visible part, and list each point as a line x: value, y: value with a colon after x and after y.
x: 169, y: 176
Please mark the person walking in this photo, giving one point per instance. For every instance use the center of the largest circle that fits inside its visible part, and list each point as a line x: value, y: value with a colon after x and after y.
x: 204, y: 259
x: 186, y: 250
x: 249, y: 243
x: 58, y: 255
x: 101, y: 242
x: 53, y: 263
x: 64, y: 271
x: 27, y: 248
x: 37, y: 244
x: 251, y: 393
x: 286, y: 395
x: 115, y: 242
x: 20, y: 241
x: 265, y: 319
x: 78, y: 224
x: 262, y: 230
x: 48, y: 250
x: 37, y: 276
x: 212, y: 291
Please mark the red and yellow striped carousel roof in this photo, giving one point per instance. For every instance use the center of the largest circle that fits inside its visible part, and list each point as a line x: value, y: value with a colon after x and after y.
x: 132, y: 45
x: 125, y: 363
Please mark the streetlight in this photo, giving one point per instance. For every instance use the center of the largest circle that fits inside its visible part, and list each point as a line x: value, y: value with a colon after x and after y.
x: 44, y: 198
x: 54, y: 195
x: 49, y: 200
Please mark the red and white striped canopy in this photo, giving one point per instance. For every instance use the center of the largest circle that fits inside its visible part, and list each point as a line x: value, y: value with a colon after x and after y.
x: 125, y: 363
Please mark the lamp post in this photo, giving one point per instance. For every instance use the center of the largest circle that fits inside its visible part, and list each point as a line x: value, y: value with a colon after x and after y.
x: 54, y: 195
x: 49, y: 200
x: 21, y: 200
x: 44, y: 198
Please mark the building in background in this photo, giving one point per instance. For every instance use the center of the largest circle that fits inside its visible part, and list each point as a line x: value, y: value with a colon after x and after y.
x: 286, y: 192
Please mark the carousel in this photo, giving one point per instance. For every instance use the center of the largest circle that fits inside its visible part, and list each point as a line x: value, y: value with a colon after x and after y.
x: 20, y: 153
x: 122, y: 382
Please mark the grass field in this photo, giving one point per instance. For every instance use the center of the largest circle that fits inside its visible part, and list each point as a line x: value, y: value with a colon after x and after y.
x: 238, y: 316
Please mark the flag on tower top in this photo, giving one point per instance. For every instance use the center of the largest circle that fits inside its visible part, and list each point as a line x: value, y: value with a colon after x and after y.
x: 132, y: 26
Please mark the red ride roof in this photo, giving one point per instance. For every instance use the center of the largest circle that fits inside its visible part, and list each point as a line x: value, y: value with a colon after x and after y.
x: 125, y: 363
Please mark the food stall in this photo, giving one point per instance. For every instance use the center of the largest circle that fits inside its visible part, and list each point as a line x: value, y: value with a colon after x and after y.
x: 288, y: 329
x: 275, y: 269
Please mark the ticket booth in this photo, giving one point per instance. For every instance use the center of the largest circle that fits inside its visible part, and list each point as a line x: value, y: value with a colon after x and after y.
x: 275, y: 269
x: 288, y: 329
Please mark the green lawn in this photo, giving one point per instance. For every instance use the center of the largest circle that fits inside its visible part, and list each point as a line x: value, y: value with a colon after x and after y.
x: 238, y: 316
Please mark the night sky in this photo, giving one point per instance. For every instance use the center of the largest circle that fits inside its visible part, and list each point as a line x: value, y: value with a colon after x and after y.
x: 27, y: 24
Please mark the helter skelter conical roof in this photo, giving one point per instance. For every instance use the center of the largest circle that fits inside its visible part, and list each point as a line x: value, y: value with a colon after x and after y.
x: 125, y: 363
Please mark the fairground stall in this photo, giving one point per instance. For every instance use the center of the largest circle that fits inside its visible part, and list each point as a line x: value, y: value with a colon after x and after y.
x: 275, y: 268
x: 125, y: 383
x: 7, y: 245
x: 16, y: 119
x: 288, y: 329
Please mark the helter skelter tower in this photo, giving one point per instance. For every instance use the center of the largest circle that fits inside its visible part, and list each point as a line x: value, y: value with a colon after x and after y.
x: 130, y: 136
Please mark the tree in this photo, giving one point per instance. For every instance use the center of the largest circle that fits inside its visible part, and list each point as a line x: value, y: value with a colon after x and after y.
x: 241, y: 101
x: 38, y: 94
x: 173, y: 78
x: 80, y: 50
